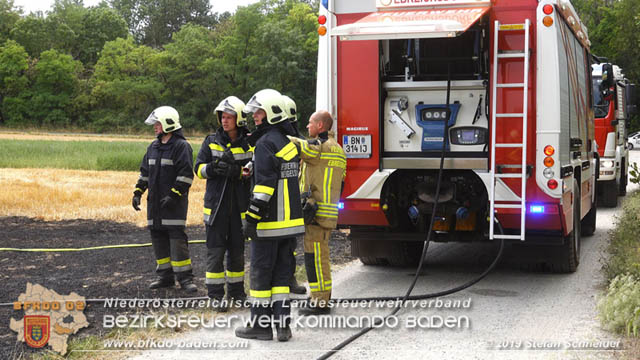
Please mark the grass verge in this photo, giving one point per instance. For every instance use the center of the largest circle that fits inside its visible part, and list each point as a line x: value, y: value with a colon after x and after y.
x: 619, y: 309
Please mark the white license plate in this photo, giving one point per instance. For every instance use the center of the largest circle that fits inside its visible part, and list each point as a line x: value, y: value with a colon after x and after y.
x: 357, y: 146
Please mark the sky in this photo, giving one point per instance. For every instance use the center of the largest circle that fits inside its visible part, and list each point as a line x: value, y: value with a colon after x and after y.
x: 44, y: 5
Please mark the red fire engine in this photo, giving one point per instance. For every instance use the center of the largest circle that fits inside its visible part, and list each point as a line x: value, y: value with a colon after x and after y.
x: 505, y: 84
x: 613, y: 105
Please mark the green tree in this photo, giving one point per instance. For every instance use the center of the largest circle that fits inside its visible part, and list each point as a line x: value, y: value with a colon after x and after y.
x: 126, y: 85
x: 9, y: 15
x: 99, y: 25
x: 55, y: 85
x: 14, y: 63
x: 37, y: 34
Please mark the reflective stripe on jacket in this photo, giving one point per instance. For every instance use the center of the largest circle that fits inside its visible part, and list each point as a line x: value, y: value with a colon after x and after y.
x: 324, y: 170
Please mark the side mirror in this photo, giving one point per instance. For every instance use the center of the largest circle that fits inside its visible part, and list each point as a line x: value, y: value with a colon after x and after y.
x: 607, y: 77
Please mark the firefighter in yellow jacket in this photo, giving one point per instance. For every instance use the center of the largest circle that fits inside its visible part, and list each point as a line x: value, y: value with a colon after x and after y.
x: 324, y: 169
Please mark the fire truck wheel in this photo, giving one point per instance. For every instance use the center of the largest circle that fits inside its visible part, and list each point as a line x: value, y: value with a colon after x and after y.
x: 623, y: 179
x: 589, y: 221
x: 405, y: 253
x: 370, y: 260
x: 571, y: 248
x: 609, y: 193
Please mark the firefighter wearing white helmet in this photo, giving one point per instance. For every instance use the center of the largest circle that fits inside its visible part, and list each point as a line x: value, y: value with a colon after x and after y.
x: 274, y: 216
x: 219, y: 161
x: 167, y: 171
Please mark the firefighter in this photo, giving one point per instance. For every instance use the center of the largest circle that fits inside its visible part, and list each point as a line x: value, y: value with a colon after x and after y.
x: 291, y: 110
x: 166, y: 170
x: 323, y: 174
x: 273, y: 219
x: 220, y: 161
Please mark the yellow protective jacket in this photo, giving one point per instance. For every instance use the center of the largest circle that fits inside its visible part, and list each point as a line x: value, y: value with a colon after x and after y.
x: 323, y: 171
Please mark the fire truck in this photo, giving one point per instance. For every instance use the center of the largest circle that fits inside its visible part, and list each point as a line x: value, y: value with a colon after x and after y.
x: 500, y: 88
x: 613, y: 105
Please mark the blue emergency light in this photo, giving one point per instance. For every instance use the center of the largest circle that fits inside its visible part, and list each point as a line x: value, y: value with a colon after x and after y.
x: 536, y: 209
x: 325, y: 3
x: 340, y: 205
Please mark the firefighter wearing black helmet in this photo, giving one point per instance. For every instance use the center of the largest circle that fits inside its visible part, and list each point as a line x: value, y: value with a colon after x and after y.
x: 220, y: 161
x: 167, y: 171
x: 274, y: 216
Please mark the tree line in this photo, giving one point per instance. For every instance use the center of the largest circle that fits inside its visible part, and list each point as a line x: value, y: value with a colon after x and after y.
x: 105, y: 68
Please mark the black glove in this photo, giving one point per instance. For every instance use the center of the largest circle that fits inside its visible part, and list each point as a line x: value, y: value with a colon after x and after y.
x: 169, y: 201
x: 250, y: 231
x: 228, y: 170
x: 135, y: 202
x: 227, y: 157
x: 309, y: 211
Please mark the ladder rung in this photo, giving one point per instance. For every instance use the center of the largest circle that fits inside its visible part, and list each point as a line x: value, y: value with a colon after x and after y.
x: 507, y: 206
x: 510, y: 85
x: 507, y: 115
x: 500, y: 236
x: 511, y: 55
x: 512, y: 27
x: 510, y: 176
x: 509, y: 145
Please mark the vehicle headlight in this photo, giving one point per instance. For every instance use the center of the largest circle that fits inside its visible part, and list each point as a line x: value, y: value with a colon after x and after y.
x: 468, y: 136
x: 607, y: 163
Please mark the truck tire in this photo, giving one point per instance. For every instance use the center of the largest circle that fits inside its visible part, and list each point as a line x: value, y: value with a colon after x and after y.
x: 589, y: 221
x: 369, y: 260
x: 630, y: 146
x: 623, y: 178
x: 570, y: 252
x: 405, y: 253
x: 609, y: 193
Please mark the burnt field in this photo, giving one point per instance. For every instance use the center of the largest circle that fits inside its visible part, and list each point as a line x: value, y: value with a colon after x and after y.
x: 95, y: 274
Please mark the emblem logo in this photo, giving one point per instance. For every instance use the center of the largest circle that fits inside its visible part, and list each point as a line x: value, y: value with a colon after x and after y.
x: 36, y: 330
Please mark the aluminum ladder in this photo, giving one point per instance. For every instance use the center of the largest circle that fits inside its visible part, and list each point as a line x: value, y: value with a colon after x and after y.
x: 524, y: 86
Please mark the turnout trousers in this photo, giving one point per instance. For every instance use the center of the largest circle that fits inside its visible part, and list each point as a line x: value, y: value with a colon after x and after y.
x: 171, y: 247
x: 225, y: 237
x: 272, y: 264
x: 316, y: 261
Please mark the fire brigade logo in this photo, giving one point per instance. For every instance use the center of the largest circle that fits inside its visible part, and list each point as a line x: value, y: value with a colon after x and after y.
x: 385, y: 2
x: 36, y: 330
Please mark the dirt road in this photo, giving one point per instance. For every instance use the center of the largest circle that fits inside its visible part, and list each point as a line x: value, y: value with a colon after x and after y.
x: 512, y: 314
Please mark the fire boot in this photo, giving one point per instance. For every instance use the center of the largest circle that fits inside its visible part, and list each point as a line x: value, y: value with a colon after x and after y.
x: 311, y: 310
x: 284, y: 333
x: 163, y: 282
x: 188, y: 286
x: 296, y: 288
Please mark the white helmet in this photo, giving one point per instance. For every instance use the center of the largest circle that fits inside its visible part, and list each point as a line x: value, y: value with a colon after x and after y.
x: 290, y: 108
x: 167, y: 116
x: 271, y: 102
x: 234, y: 106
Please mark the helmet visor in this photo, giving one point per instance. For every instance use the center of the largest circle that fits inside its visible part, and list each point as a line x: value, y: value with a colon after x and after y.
x: 252, y: 106
x: 152, y: 119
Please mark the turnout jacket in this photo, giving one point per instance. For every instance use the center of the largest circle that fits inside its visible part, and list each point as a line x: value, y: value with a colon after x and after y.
x: 166, y: 169
x: 213, y: 147
x: 275, y: 197
x: 324, y: 170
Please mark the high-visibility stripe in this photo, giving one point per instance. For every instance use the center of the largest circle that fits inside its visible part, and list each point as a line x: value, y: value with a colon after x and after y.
x: 164, y: 162
x: 288, y: 152
x: 254, y: 209
x: 287, y: 208
x: 318, y: 260
x: 150, y: 222
x: 243, y: 215
x: 202, y: 171
x: 152, y: 161
x: 308, y: 151
x: 326, y: 215
x: 214, y: 146
x: 142, y: 191
x: 207, y: 211
x: 326, y: 185
x: 280, y: 290
x: 269, y: 225
x: 260, y: 293
x: 163, y: 261
x: 280, y: 204
x: 263, y: 189
x: 255, y: 216
x: 235, y: 273
x: 172, y: 222
x: 291, y: 231
x: 214, y: 278
x: 184, y: 179
x: 176, y: 191
x: 333, y: 156
x: 181, y: 263
x: 143, y: 178
x: 262, y: 196
x: 243, y: 156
